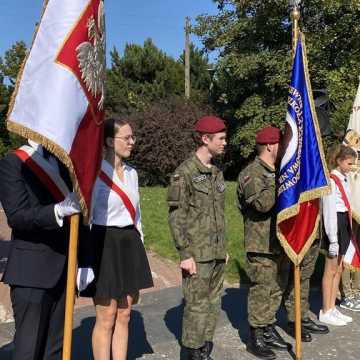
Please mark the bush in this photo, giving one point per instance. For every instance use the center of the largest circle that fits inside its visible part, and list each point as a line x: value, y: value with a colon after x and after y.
x: 165, y: 138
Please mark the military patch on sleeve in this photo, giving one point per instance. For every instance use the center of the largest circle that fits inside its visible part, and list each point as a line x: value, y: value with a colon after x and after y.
x: 269, y: 175
x: 199, y: 179
x: 220, y: 187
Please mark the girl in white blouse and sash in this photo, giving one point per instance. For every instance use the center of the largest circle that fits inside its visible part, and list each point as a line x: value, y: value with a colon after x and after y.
x: 337, y: 225
x: 122, y: 268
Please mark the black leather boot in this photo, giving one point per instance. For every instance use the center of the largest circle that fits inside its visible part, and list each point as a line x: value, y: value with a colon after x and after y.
x: 273, y: 339
x: 305, y: 333
x: 206, y: 350
x: 257, y: 346
x: 313, y: 327
x: 194, y: 354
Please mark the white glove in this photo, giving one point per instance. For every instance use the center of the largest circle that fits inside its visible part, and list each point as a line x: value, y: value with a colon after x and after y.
x: 333, y: 249
x: 69, y: 206
x: 84, y: 277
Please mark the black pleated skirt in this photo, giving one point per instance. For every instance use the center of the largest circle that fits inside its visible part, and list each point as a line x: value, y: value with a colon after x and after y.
x: 122, y: 267
x: 344, y: 233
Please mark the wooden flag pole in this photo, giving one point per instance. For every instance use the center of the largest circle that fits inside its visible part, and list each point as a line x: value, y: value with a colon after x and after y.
x: 297, y: 292
x: 295, y: 15
x: 70, y: 286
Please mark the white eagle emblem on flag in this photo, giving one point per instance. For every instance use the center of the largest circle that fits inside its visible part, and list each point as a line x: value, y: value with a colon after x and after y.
x: 91, y: 57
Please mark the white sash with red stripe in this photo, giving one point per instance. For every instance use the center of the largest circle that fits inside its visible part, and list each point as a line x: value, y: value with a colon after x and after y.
x: 113, y: 182
x: 44, y: 171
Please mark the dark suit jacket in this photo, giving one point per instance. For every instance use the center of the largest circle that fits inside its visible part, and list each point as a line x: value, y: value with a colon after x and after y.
x: 38, y: 254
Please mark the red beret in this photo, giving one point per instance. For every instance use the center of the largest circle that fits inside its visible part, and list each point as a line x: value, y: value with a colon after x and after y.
x: 210, y: 125
x: 268, y: 135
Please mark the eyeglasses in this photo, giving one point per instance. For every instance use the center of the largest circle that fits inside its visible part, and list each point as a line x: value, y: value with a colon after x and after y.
x: 126, y: 138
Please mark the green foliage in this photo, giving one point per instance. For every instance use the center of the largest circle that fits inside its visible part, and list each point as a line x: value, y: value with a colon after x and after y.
x: 9, y: 68
x: 14, y: 57
x: 145, y: 74
x: 164, y: 131
x: 253, y: 38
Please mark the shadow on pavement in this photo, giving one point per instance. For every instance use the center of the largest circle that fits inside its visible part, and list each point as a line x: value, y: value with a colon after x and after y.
x: 138, y: 344
x: 173, y: 320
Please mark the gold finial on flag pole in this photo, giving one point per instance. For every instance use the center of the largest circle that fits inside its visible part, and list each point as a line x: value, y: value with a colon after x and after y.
x: 295, y: 16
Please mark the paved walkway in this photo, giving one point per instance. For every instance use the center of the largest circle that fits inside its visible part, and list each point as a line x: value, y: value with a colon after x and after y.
x: 155, y: 331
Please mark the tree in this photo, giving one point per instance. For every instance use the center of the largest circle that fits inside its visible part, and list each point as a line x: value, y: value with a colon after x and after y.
x: 164, y: 133
x: 9, y: 69
x: 144, y: 74
x: 253, y: 38
x: 14, y: 57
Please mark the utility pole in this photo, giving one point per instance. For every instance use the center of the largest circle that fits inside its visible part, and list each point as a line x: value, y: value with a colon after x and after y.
x: 187, y: 57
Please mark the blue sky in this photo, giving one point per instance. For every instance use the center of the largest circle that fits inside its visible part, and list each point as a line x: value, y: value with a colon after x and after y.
x: 126, y: 21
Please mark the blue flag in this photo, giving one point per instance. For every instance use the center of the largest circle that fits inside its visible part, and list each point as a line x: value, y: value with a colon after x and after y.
x: 303, y: 176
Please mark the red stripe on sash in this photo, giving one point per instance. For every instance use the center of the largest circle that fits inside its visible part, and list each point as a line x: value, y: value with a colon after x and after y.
x: 41, y: 174
x: 127, y: 202
x: 343, y: 195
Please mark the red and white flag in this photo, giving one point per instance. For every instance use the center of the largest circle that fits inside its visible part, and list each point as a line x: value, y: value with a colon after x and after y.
x: 59, y: 96
x: 352, y: 138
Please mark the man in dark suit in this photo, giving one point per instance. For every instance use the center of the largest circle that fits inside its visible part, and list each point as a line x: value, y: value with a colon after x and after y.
x: 36, y: 266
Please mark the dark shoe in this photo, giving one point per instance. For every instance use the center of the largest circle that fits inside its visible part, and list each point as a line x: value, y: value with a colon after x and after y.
x: 305, y: 333
x: 257, y: 346
x: 191, y: 354
x: 313, y: 327
x: 206, y: 350
x: 273, y: 338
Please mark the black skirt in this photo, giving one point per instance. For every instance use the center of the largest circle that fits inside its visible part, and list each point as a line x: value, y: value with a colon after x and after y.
x: 122, y: 267
x: 344, y: 233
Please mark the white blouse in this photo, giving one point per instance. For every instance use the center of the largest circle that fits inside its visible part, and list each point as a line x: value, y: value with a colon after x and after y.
x: 332, y: 204
x: 108, y: 207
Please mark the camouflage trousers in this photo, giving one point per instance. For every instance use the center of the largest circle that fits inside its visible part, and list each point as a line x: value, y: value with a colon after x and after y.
x: 350, y: 283
x: 307, y: 268
x: 202, y: 295
x: 266, y: 289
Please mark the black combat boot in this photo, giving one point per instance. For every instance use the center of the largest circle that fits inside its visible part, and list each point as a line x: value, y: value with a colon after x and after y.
x: 305, y: 333
x: 206, y: 350
x: 313, y: 327
x: 194, y: 354
x: 257, y: 346
x: 273, y: 339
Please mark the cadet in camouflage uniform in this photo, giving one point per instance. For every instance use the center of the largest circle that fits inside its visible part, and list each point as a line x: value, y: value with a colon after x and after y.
x: 196, y: 199
x: 256, y: 198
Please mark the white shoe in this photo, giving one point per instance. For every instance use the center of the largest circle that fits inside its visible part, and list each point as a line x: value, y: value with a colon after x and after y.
x: 330, y: 318
x: 341, y: 316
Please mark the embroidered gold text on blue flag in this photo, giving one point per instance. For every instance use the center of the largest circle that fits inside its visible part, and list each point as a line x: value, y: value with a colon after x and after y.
x: 303, y: 174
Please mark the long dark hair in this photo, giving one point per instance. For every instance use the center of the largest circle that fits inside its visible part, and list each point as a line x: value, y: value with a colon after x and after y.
x: 112, y: 125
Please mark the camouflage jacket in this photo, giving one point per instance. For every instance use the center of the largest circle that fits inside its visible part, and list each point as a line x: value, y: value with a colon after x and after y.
x: 256, y: 196
x: 196, y: 199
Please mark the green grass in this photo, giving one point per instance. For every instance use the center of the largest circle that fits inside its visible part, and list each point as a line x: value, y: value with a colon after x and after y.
x: 157, y: 233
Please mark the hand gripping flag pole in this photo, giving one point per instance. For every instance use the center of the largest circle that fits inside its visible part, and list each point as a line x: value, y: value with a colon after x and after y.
x: 303, y: 176
x: 59, y: 102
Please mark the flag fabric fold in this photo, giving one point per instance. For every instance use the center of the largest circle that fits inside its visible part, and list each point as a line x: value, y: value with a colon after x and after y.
x: 303, y: 176
x: 59, y: 95
x: 352, y: 138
